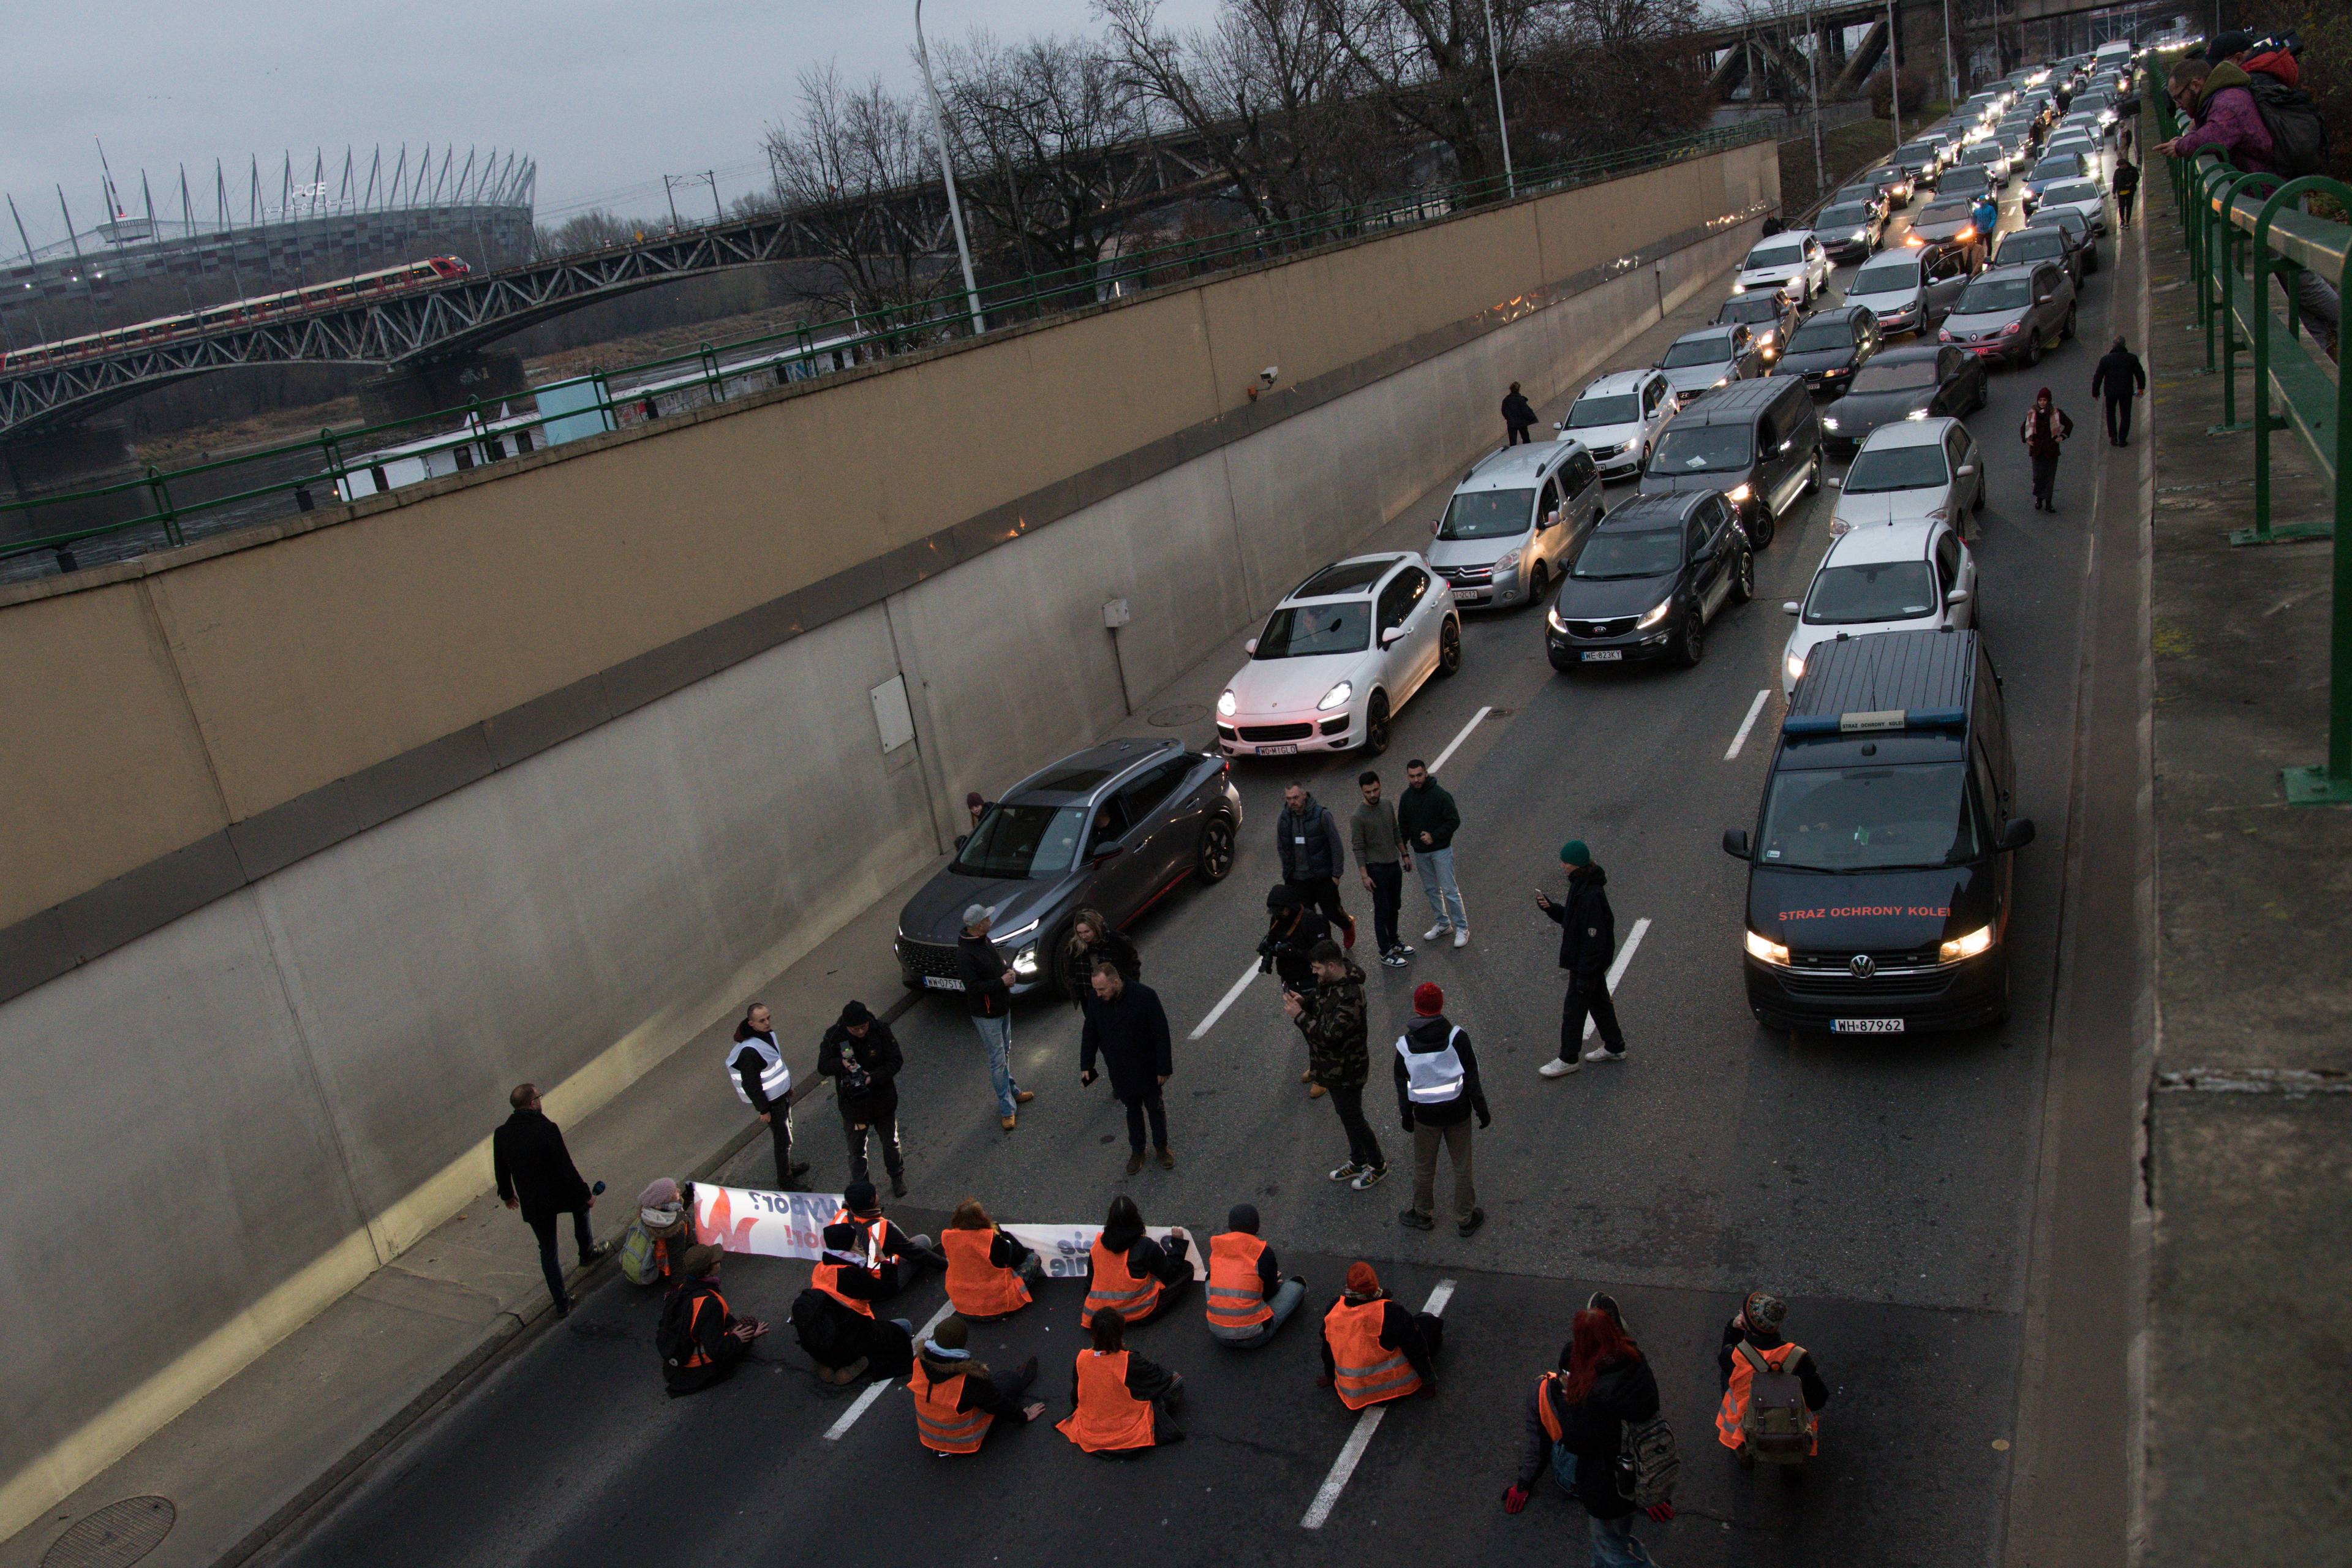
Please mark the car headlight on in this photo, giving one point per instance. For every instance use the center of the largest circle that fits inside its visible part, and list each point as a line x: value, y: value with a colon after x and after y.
x: 1967, y: 233
x: 1968, y: 946
x: 1739, y: 288
x: 1795, y: 665
x: 1913, y: 239
x: 1551, y: 620
x: 1226, y: 705
x: 1025, y: 961
x: 1860, y: 235
x: 1508, y: 562
x: 1336, y: 697
x: 1829, y: 423
x: 1915, y: 414
x: 1737, y: 495
x: 2012, y: 327
x: 1657, y: 614
x: 1772, y: 953
x: 1722, y: 381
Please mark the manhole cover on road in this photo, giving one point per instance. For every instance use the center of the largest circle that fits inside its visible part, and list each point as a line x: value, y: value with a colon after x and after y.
x: 1176, y: 718
x: 117, y: 1535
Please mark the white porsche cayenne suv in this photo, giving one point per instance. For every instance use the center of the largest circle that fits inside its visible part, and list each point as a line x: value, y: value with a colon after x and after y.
x: 1339, y: 657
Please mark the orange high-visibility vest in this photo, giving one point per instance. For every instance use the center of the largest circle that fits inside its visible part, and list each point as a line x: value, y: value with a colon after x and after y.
x: 697, y: 1357
x: 1734, y: 1409
x: 1552, y: 1426
x: 943, y: 1428
x: 1113, y: 1285
x: 1236, y: 1293
x: 1362, y: 1370
x: 826, y: 1277
x: 878, y: 1228
x: 977, y: 1288
x: 1108, y: 1418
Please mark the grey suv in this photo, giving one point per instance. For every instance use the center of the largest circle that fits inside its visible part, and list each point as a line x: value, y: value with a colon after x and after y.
x: 2013, y: 312
x: 1113, y: 828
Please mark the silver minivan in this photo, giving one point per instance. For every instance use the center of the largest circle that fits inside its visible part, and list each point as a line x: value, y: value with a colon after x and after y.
x: 1515, y: 520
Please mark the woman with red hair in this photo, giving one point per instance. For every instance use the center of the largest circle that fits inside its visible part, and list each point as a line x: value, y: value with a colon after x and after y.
x: 1576, y: 1417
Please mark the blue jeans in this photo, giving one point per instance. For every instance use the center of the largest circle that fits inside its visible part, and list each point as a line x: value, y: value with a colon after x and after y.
x: 996, y: 1034
x: 1613, y: 1545
x: 1282, y: 1303
x: 1437, y: 884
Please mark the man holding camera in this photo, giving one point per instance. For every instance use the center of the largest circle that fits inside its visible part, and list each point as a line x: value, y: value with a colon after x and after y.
x: 861, y: 1056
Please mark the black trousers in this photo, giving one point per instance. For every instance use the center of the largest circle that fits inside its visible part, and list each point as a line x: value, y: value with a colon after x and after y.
x: 780, y: 1132
x: 2045, y: 475
x: 1151, y: 1106
x: 1519, y: 435
x: 1588, y: 996
x: 1388, y: 894
x: 1363, y: 1149
x: 544, y: 1228
x: 2124, y: 205
x: 2119, y: 418
x: 884, y: 1131
x: 1322, y: 893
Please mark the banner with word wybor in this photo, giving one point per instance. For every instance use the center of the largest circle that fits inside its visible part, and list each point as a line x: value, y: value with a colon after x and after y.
x: 1063, y: 1248
x: 764, y: 1224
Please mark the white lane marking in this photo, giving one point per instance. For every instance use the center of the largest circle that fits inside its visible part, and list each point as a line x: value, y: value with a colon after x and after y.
x: 1746, y: 724
x: 1624, y: 957
x: 1454, y: 745
x: 1231, y: 996
x: 874, y: 1390
x: 1352, y: 1452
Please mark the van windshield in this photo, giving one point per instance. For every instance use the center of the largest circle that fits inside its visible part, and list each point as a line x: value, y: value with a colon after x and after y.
x: 1702, y: 450
x: 1022, y: 841
x: 1915, y: 817
x: 1488, y: 514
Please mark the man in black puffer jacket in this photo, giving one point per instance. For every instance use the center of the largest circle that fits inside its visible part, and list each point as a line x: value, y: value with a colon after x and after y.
x: 861, y: 1056
x: 1588, y: 941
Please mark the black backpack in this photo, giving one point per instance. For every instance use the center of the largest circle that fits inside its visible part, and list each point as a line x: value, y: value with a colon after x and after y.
x: 672, y: 1338
x: 2298, y: 136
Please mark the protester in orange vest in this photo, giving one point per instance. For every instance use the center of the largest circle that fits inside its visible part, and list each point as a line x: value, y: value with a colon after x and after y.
x: 1248, y: 1297
x: 899, y: 1259
x: 699, y: 1340
x: 1576, y: 1417
x: 1752, y: 1335
x: 1131, y: 1274
x: 835, y: 1316
x: 957, y: 1399
x: 985, y: 1266
x: 1373, y: 1349
x: 1120, y: 1402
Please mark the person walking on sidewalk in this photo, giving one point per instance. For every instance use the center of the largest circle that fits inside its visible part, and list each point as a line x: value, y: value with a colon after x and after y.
x: 1428, y: 819
x: 535, y: 1175
x: 756, y: 1065
x: 988, y: 997
x: 1248, y: 1298
x: 1382, y: 858
x: 1308, y: 838
x: 1519, y: 416
x: 1128, y: 1027
x: 1334, y: 1021
x: 1437, y: 1092
x: 1587, y: 941
x: 861, y: 1056
x: 2120, y: 378
x: 2125, y: 184
x: 2044, y: 431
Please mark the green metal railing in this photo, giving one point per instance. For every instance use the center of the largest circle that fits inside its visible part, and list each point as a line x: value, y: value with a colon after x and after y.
x: 789, y: 355
x: 2242, y: 229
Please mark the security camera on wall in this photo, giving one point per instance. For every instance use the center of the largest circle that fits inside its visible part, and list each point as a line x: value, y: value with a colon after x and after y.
x: 1268, y: 374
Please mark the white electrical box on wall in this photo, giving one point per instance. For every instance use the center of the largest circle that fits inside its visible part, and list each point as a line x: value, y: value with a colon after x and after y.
x: 892, y: 718
x: 1114, y: 613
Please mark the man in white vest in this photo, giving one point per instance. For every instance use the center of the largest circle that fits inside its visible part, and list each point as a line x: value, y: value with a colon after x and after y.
x: 755, y: 1065
x: 1437, y: 1093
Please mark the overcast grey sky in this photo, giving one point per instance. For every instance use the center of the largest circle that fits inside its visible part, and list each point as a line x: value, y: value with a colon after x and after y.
x: 608, y: 95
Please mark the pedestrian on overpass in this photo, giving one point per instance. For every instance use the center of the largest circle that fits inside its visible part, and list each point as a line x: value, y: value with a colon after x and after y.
x: 1248, y: 1298
x: 957, y: 1399
x: 700, y: 1340
x: 988, y: 997
x: 1374, y: 1349
x: 1575, y: 1421
x: 1128, y: 1027
x: 1336, y: 1022
x: 1119, y: 1403
x: 2044, y: 431
x: 1437, y: 1092
x: 1132, y: 1274
x: 1428, y: 819
x: 861, y: 1056
x: 762, y: 1080
x: 1306, y: 836
x: 1771, y: 1388
x: 1587, y: 941
x: 1382, y: 858
x: 535, y: 1175
x: 2120, y: 378
x: 1518, y: 418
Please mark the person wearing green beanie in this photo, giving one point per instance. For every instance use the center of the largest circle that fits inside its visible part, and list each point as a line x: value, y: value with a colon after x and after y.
x: 1587, y: 941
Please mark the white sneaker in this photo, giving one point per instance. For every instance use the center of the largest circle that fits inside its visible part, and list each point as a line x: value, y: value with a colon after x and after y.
x: 1559, y: 1069
x: 1462, y: 937
x: 1434, y: 932
x: 1603, y: 1054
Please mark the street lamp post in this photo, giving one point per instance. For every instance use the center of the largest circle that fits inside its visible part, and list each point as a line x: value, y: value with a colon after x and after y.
x: 1895, y: 71
x: 1502, y: 123
x: 947, y: 173
x: 1952, y: 63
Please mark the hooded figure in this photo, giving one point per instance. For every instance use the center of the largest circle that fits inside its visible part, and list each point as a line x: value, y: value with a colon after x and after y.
x: 2046, y: 427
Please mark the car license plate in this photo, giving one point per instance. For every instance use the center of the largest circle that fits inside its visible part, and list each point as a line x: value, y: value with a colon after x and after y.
x: 942, y: 983
x: 1603, y: 655
x: 1865, y: 1025
x: 1276, y: 750
x: 1469, y: 594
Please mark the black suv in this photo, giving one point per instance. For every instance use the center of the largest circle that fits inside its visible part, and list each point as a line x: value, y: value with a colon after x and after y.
x: 1646, y: 581
x: 1827, y: 350
x: 1758, y: 442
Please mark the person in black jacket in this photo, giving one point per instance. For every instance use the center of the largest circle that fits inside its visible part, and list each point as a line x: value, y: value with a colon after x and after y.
x: 1308, y: 838
x: 835, y: 1317
x: 1416, y: 1336
x: 861, y: 1056
x: 988, y: 997
x: 1292, y: 930
x: 1437, y: 1091
x: 1129, y: 1028
x: 1576, y: 1418
x: 1093, y: 937
x: 535, y: 1175
x: 1757, y: 1322
x: 702, y: 1342
x: 756, y: 1051
x: 2118, y: 379
x: 1519, y: 416
x: 1588, y: 941
x: 946, y: 1356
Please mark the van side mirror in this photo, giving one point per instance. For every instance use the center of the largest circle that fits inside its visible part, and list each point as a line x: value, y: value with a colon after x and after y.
x: 1966, y: 469
x: 1735, y: 842
x: 2017, y: 834
x: 1250, y: 646
x: 962, y: 840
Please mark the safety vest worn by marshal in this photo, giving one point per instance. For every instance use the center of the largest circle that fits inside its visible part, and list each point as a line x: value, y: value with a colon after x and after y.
x: 1363, y: 1369
x: 1432, y: 1078
x: 1788, y: 1431
x: 943, y: 1429
x: 1109, y: 1419
x: 977, y: 1288
x: 1237, y: 1292
x: 1112, y: 1284
x: 775, y: 1076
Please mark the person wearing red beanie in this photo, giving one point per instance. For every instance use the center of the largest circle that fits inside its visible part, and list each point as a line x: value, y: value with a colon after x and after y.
x: 1437, y: 1093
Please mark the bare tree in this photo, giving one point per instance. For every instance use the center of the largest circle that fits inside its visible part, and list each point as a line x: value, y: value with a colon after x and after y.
x: 1601, y: 75
x: 853, y: 169
x: 1427, y: 62
x: 590, y: 230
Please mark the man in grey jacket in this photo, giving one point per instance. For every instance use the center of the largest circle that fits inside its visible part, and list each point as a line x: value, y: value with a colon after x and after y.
x: 1307, y: 838
x: 1383, y: 857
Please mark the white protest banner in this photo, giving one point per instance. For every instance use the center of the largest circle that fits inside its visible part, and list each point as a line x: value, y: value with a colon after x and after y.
x: 767, y: 1225
x: 1063, y: 1250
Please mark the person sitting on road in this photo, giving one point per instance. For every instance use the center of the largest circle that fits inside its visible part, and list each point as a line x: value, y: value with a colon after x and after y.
x: 1248, y: 1297
x: 1576, y: 1419
x: 700, y: 1340
x: 895, y: 1259
x: 1129, y: 1273
x: 835, y: 1316
x: 957, y: 1399
x: 986, y: 1267
x: 1373, y: 1349
x: 1751, y: 1339
x: 654, y: 1248
x: 1119, y: 1403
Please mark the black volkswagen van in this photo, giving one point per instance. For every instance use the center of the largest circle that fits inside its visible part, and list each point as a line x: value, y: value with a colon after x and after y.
x: 1879, y: 883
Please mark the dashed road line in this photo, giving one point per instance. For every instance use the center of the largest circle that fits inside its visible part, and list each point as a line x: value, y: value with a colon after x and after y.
x: 1754, y: 710
x: 1624, y: 957
x: 1455, y: 744
x: 1352, y: 1452
x: 874, y: 1391
x: 1230, y: 997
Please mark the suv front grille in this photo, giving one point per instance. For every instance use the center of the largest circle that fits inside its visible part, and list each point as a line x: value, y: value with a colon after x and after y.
x: 1594, y: 629
x: 1254, y: 733
x: 924, y: 958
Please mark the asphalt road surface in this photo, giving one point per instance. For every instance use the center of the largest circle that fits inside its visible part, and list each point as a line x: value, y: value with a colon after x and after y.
x: 1883, y: 1186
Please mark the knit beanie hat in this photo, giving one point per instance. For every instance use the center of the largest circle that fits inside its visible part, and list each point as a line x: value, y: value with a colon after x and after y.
x: 1574, y: 853
x: 1361, y: 1280
x: 1428, y: 1001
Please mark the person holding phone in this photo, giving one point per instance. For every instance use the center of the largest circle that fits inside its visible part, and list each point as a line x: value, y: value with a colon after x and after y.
x: 1587, y: 941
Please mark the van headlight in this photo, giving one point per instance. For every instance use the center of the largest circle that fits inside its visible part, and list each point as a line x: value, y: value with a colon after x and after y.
x: 1768, y: 952
x: 1915, y: 414
x: 1968, y: 946
x: 1226, y: 705
x: 1508, y: 562
x: 1657, y: 614
x: 1737, y: 495
x: 1336, y: 697
x: 1795, y: 665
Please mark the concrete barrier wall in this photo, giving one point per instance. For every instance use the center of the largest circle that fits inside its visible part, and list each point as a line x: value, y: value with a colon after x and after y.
x: 267, y: 1098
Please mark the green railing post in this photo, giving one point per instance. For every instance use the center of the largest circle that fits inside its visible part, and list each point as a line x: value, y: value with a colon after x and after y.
x: 714, y: 382
x: 160, y: 487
